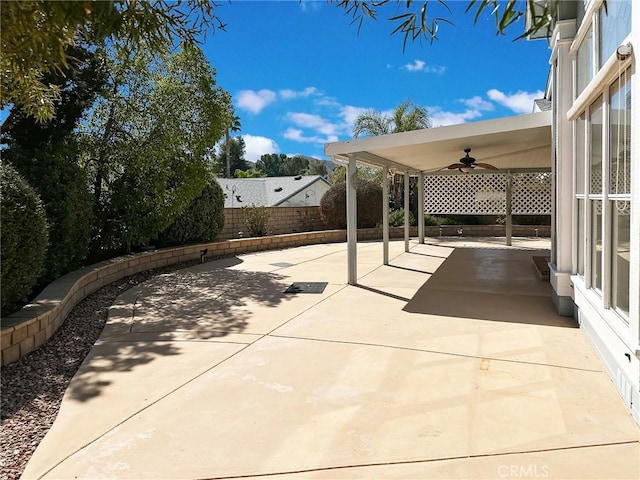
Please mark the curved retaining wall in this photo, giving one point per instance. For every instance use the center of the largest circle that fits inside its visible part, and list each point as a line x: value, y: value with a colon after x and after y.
x: 24, y: 331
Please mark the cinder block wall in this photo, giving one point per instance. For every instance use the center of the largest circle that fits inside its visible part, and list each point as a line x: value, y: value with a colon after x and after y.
x: 282, y: 220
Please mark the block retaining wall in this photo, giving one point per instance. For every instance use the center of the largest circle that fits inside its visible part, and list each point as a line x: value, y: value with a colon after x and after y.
x: 282, y: 220
x: 29, y: 328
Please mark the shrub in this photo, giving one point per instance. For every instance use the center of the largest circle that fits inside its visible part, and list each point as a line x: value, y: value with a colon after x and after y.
x: 333, y: 205
x: 256, y: 220
x: 23, y: 238
x: 435, y: 221
x: 202, y: 221
x: 396, y: 218
x: 53, y: 172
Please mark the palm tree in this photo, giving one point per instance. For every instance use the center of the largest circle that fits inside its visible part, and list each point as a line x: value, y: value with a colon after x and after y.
x: 234, y: 126
x: 406, y: 117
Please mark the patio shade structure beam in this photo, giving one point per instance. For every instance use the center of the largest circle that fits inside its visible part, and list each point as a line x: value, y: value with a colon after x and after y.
x: 385, y: 215
x: 352, y: 222
x: 406, y: 211
x: 421, y: 208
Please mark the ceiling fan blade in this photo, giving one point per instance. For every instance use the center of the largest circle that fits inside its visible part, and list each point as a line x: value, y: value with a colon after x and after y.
x: 486, y: 165
x: 453, y: 166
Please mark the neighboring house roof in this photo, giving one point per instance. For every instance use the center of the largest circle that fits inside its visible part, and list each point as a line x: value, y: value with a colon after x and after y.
x: 542, y: 105
x: 265, y: 191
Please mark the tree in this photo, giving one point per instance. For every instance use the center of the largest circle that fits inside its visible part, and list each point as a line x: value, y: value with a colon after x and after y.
x: 316, y: 167
x: 231, y: 157
x: 249, y: 173
x: 23, y: 238
x: 45, y: 154
x: 272, y: 164
x: 296, y: 165
x: 233, y: 126
x: 281, y: 165
x: 145, y: 142
x: 37, y: 36
x: 405, y: 117
x: 363, y: 173
x: 413, y: 23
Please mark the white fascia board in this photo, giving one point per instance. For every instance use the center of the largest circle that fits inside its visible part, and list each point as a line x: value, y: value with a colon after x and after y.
x: 428, y: 135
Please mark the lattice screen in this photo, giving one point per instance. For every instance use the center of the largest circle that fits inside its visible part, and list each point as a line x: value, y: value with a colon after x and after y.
x: 485, y: 194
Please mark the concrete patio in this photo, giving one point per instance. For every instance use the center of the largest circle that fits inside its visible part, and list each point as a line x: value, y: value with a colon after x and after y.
x: 449, y: 363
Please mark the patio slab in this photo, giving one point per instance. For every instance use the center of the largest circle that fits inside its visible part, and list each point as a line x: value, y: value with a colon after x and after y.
x: 208, y: 374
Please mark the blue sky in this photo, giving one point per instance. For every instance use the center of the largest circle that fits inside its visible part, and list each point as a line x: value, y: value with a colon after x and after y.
x: 300, y: 73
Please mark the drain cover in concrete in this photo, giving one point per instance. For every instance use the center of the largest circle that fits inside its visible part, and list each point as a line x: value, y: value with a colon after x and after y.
x: 306, y: 287
x: 282, y: 264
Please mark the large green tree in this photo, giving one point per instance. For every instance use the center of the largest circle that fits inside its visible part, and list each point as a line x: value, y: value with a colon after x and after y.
x: 36, y: 37
x: 146, y: 141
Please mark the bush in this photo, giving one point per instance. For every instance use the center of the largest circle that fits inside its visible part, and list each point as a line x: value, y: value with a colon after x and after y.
x: 202, y: 221
x: 256, y: 220
x: 23, y: 238
x: 53, y: 172
x: 333, y: 205
x: 396, y: 218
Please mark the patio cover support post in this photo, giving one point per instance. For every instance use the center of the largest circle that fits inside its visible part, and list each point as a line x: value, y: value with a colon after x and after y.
x: 508, y: 223
x: 406, y: 211
x: 420, y: 187
x: 352, y: 223
x: 385, y: 215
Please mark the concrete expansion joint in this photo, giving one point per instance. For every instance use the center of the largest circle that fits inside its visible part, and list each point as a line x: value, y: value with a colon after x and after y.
x: 422, y: 460
x: 437, y: 352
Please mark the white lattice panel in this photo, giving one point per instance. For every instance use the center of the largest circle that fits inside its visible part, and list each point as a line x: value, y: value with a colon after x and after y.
x: 531, y: 194
x: 469, y: 194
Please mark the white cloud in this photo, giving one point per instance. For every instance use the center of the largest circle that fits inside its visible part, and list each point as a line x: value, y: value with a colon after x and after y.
x: 416, y: 66
x: 315, y: 122
x: 421, y: 66
x: 310, y: 5
x: 256, y: 146
x: 349, y: 113
x: 297, y: 135
x: 441, y: 118
x: 519, y: 102
x: 255, y: 101
x: 289, y: 94
x: 478, y: 103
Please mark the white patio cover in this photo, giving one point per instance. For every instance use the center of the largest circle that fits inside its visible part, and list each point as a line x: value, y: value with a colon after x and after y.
x: 522, y: 141
x: 511, y: 143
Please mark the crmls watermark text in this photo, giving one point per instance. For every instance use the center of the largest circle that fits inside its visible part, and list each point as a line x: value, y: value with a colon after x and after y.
x: 523, y: 471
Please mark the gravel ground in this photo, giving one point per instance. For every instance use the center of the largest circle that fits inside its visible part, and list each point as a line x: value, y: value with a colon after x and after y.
x: 32, y: 388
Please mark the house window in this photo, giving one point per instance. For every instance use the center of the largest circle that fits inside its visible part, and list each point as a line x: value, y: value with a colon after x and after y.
x: 581, y: 160
x: 614, y: 26
x: 596, y: 245
x: 595, y: 192
x: 621, y: 241
x: 620, y: 136
x: 580, y: 236
x: 595, y: 150
x: 620, y: 190
x: 585, y: 62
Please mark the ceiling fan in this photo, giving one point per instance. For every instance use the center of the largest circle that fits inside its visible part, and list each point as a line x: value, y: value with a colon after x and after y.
x: 468, y: 163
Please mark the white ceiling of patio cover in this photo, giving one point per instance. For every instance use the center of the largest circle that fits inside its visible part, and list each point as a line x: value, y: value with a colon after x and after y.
x: 522, y: 141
